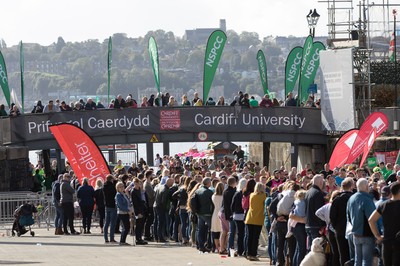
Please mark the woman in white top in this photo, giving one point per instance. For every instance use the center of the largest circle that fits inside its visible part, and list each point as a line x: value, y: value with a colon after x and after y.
x: 215, y: 222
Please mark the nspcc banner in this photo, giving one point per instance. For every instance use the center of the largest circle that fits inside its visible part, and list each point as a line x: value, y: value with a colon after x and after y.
x: 308, y: 44
x: 215, y: 46
x: 82, y: 153
x: 292, y: 68
x: 310, y: 69
x: 262, y: 67
x: 4, y: 79
x: 153, y: 51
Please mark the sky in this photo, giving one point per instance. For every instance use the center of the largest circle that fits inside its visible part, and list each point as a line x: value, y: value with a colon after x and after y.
x: 43, y: 21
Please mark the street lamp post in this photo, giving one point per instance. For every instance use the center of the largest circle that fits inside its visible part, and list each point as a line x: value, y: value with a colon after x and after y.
x: 312, y: 20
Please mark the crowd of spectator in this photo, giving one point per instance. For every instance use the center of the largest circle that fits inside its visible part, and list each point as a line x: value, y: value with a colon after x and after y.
x: 224, y: 207
x: 159, y: 100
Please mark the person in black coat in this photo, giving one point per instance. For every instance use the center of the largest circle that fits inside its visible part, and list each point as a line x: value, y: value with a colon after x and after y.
x: 227, y: 197
x: 314, y: 200
x: 338, y: 219
x: 85, y: 196
x: 109, y: 192
x: 38, y: 108
x: 139, y: 202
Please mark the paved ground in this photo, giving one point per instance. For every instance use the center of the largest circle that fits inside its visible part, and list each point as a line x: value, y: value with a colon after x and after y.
x: 47, y: 249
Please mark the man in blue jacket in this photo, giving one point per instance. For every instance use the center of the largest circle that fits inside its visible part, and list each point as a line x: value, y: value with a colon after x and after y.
x: 359, y: 208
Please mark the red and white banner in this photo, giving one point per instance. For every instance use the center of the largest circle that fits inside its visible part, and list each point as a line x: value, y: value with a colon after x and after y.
x: 342, y: 149
x: 377, y: 120
x: 368, y: 147
x: 82, y: 153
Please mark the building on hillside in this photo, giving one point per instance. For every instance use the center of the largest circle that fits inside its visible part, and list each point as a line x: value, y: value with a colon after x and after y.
x: 200, y: 35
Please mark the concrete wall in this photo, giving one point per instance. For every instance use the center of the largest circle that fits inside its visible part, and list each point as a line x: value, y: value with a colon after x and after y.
x: 14, y: 174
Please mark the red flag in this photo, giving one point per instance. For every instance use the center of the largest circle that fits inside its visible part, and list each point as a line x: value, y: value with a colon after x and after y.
x: 377, y: 120
x: 342, y: 149
x: 391, y: 47
x: 368, y: 147
x: 83, y: 154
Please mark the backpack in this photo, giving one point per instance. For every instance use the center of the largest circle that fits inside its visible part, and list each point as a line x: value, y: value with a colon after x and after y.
x: 246, y: 202
x: 194, y: 203
x: 285, y: 203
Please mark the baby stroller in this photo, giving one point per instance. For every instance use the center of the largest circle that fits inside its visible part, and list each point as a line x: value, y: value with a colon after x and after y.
x: 23, y: 217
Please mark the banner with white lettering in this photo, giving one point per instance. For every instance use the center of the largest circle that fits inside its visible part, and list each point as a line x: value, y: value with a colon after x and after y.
x: 262, y: 67
x: 376, y: 120
x: 337, y: 90
x: 82, y: 153
x: 310, y: 70
x: 153, y: 51
x: 307, y: 47
x: 4, y: 79
x: 133, y: 123
x: 292, y: 68
x: 215, y: 46
x: 342, y: 149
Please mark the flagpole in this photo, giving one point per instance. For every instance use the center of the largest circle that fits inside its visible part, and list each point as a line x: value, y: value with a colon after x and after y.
x: 395, y: 55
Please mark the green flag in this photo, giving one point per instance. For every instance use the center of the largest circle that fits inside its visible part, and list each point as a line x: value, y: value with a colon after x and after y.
x: 215, y: 46
x: 292, y: 68
x: 306, y: 58
x: 153, y: 51
x: 21, y: 64
x: 109, y: 61
x: 4, y: 79
x: 310, y: 69
x: 262, y: 67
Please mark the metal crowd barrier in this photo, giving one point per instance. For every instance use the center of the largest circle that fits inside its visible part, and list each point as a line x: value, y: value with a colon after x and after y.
x: 10, y: 201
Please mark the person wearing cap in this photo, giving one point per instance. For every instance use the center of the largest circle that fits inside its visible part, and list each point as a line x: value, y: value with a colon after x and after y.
x: 391, y: 235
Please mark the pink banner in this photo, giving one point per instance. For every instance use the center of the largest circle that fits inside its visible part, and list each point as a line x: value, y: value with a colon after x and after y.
x: 377, y: 120
x: 342, y: 149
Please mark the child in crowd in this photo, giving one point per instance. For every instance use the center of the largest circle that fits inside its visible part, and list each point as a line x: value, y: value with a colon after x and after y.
x: 299, y: 210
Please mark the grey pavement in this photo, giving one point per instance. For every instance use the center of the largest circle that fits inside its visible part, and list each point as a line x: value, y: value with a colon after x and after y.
x: 45, y: 248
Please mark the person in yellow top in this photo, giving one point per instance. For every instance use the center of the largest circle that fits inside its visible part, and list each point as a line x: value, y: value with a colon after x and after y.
x: 255, y: 220
x: 118, y: 167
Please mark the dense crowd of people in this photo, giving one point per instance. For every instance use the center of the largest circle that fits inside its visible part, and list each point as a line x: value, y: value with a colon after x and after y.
x: 159, y: 100
x: 225, y: 206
